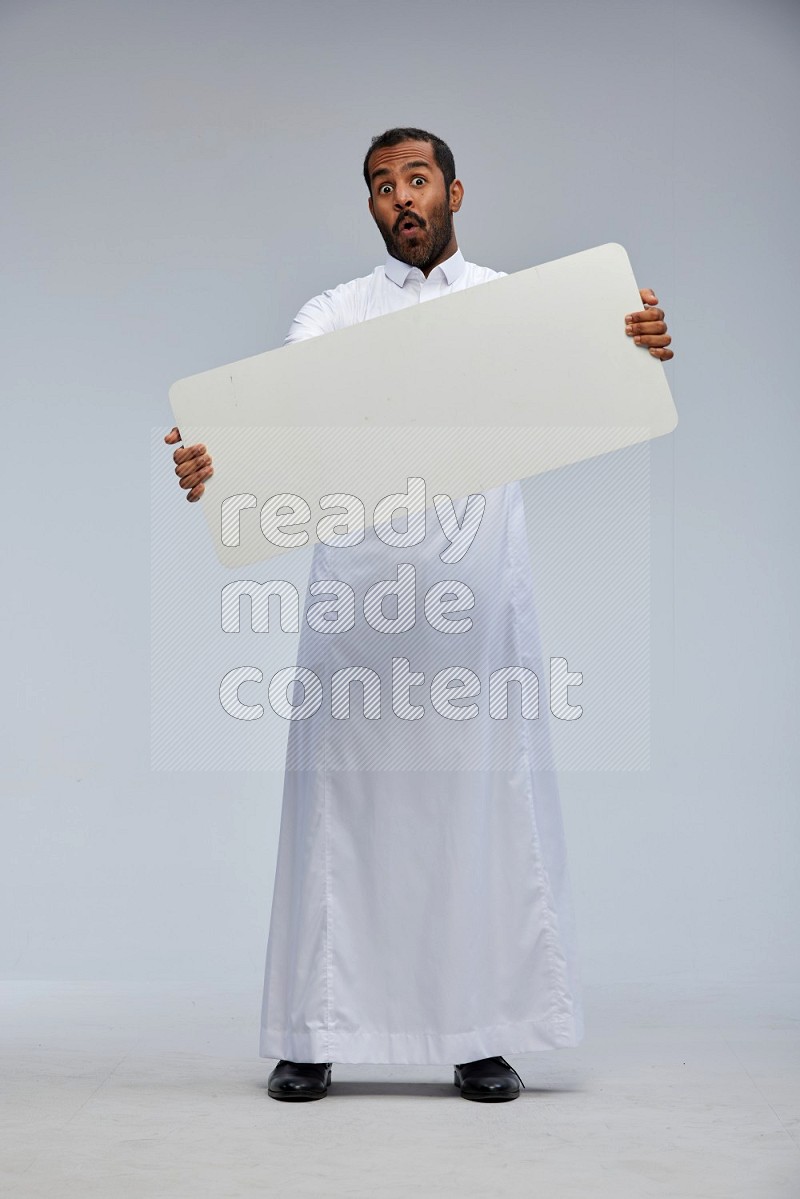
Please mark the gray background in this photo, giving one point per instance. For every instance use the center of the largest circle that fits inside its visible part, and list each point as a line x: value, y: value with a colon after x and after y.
x: 179, y: 179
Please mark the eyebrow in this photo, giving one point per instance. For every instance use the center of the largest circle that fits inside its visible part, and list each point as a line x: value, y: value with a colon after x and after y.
x: 407, y: 166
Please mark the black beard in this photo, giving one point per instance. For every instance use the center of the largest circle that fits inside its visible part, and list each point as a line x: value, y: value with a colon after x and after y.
x: 436, y: 233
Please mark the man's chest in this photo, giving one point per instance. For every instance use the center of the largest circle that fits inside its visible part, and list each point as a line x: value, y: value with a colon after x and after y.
x: 383, y: 297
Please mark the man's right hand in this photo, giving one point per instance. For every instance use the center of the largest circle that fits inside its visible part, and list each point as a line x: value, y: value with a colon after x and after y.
x: 192, y: 465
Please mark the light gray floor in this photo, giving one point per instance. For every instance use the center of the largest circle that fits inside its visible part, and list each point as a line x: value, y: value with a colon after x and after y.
x: 152, y: 1091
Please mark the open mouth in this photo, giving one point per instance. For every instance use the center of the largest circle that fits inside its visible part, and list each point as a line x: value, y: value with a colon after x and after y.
x: 409, y: 227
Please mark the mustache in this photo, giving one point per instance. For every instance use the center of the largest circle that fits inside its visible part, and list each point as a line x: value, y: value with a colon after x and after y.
x: 408, y: 216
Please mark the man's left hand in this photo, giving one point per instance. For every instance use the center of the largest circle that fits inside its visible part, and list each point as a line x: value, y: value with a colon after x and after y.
x: 648, y: 327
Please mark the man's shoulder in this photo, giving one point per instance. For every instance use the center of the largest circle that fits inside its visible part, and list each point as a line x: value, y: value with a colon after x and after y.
x: 355, y: 286
x: 481, y: 274
x: 334, y: 308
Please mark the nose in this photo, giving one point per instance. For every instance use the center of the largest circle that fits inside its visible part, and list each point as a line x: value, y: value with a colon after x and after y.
x: 400, y: 203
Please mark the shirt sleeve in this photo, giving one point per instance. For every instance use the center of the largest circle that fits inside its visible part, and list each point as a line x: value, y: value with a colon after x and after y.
x: 314, y: 318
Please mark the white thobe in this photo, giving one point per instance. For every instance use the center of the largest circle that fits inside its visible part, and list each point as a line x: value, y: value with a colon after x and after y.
x: 421, y: 909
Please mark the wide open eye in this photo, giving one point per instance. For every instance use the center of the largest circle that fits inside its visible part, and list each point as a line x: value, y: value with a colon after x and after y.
x: 418, y: 179
x: 384, y: 189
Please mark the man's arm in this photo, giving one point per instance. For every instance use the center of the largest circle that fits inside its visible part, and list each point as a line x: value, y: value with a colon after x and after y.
x: 193, y: 463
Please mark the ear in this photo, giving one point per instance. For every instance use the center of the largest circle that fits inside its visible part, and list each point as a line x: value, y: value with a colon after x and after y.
x: 371, y: 209
x: 456, y: 195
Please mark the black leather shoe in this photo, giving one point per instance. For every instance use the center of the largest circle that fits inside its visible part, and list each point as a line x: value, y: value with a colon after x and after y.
x: 299, y: 1080
x: 490, y: 1079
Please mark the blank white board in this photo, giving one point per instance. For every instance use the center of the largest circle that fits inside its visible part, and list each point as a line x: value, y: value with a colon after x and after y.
x: 502, y: 381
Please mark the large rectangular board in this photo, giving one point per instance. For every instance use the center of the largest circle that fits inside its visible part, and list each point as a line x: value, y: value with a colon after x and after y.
x: 517, y: 376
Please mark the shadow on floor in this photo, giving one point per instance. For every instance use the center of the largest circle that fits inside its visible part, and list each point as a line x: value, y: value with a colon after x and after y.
x: 349, y: 1088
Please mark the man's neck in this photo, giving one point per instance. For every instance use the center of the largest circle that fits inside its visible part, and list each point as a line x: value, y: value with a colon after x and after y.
x: 448, y: 252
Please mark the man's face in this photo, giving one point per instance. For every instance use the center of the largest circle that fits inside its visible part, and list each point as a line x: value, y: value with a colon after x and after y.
x: 409, y: 202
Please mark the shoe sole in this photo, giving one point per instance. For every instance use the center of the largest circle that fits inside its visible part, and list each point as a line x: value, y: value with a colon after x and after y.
x: 484, y: 1098
x: 489, y: 1098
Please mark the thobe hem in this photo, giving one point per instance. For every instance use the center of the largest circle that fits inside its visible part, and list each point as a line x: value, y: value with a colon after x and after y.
x: 565, y: 1031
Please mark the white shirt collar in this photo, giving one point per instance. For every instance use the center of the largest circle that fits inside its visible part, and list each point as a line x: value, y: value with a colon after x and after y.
x: 398, y: 271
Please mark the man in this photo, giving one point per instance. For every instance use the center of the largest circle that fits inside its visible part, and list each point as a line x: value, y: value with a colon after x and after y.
x: 420, y: 914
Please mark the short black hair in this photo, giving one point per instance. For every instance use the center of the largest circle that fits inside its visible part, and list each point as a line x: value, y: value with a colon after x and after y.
x: 392, y: 137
